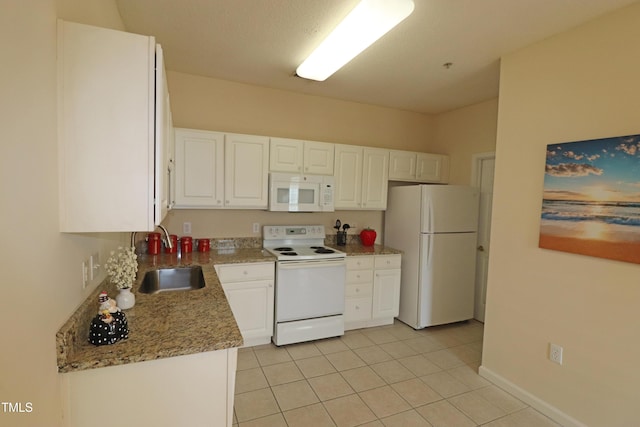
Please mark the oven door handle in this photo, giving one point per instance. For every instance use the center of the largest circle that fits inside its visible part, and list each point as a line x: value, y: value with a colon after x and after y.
x: 291, y: 265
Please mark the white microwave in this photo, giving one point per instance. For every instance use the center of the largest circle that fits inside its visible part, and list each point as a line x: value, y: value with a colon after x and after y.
x: 300, y: 193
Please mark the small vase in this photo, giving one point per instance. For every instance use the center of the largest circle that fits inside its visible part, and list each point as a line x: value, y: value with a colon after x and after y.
x: 125, y: 299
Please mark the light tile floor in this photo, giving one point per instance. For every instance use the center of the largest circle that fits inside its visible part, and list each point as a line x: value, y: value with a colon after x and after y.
x: 385, y: 376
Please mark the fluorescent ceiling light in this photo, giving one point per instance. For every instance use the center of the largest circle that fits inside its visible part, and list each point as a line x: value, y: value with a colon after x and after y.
x: 366, y: 23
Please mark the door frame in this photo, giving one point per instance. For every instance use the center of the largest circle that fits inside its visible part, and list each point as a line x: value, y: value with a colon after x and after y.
x: 476, y: 176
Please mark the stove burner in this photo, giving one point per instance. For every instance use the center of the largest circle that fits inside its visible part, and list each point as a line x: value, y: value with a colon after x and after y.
x: 284, y: 249
x: 324, y: 251
x: 316, y: 247
x: 289, y: 253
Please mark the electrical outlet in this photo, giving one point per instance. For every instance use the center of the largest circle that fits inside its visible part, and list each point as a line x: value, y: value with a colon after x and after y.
x: 555, y: 353
x: 186, y: 228
x: 85, y: 273
x: 256, y: 227
x: 94, y: 266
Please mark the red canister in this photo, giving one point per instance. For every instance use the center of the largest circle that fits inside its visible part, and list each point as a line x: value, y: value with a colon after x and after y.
x: 204, y: 245
x: 186, y: 244
x: 174, y: 245
x: 153, y: 243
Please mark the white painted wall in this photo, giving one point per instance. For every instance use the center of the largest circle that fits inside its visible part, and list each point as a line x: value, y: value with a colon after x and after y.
x: 41, y: 268
x: 582, y: 84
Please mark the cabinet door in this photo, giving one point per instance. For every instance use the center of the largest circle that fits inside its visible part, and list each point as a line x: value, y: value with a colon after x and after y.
x: 106, y: 141
x: 252, y: 306
x: 386, y: 293
x: 285, y: 155
x: 348, y: 177
x: 199, y: 168
x: 432, y: 168
x: 246, y: 171
x: 164, y: 142
x: 375, y: 178
x: 318, y: 158
x: 402, y: 165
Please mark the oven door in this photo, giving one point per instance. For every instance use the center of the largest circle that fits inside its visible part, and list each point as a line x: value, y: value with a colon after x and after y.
x: 309, y: 289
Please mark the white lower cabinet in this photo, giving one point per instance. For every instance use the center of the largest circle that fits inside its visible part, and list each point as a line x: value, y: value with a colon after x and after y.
x: 196, y: 390
x: 249, y: 288
x: 372, y: 292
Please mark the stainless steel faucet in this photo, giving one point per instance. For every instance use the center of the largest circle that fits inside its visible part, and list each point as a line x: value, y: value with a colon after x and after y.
x: 166, y: 238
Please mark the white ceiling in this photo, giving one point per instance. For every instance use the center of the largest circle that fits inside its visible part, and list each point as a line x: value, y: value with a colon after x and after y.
x: 261, y: 42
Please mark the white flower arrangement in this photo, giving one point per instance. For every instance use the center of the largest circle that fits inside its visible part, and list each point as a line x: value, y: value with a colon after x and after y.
x: 122, y: 267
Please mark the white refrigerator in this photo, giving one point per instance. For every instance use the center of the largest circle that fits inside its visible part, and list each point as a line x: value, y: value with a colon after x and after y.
x: 435, y: 227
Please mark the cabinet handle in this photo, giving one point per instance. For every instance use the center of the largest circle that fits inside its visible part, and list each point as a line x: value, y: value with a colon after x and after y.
x: 270, y: 285
x: 226, y: 201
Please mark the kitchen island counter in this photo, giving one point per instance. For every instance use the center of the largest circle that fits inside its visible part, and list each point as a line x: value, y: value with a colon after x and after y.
x: 162, y: 325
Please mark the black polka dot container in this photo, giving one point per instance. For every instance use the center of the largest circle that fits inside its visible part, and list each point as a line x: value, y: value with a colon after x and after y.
x: 109, y: 330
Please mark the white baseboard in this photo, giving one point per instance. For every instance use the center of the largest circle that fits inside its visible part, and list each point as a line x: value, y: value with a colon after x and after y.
x: 535, y: 402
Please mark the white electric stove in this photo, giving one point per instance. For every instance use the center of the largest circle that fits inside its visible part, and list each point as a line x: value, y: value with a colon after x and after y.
x: 310, y: 280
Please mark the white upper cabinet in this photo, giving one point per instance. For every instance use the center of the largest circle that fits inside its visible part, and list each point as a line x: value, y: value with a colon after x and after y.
x: 164, y: 159
x: 108, y: 143
x: 246, y: 171
x: 432, y: 168
x: 375, y: 177
x: 297, y: 156
x: 218, y: 170
x: 361, y: 176
x: 418, y: 167
x: 199, y: 168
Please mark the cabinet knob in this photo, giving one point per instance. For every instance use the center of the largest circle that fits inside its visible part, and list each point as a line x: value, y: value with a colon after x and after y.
x: 357, y: 289
x: 245, y: 272
x: 357, y: 307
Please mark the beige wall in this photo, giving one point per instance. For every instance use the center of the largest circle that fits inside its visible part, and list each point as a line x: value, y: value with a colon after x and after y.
x: 41, y: 268
x: 582, y: 84
x: 464, y: 132
x: 205, y: 103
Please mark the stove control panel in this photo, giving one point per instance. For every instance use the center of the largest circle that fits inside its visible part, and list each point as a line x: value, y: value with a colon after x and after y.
x: 276, y: 232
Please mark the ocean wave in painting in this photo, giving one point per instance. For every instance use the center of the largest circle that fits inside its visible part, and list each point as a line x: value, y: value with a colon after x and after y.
x: 617, y: 213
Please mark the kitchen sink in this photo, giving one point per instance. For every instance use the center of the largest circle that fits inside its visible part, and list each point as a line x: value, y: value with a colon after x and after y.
x: 172, y: 279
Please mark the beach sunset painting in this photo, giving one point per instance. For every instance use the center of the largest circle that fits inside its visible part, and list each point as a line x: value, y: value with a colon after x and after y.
x: 591, y: 201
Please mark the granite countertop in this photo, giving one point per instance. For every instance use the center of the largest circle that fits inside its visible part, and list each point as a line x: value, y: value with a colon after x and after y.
x: 161, y: 325
x: 355, y: 249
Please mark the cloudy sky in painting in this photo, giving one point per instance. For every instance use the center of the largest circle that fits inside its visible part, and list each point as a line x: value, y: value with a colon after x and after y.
x: 596, y: 170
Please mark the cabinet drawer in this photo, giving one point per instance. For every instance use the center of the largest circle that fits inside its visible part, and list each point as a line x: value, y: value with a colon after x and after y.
x: 357, y: 309
x: 388, y: 261
x: 243, y: 272
x: 359, y: 262
x: 359, y: 276
x: 359, y: 290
